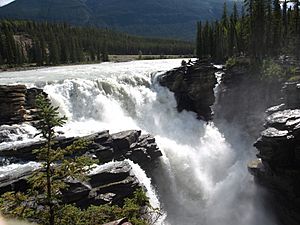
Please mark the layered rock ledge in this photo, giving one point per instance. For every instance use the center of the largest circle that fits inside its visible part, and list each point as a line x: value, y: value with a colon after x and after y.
x: 278, y: 165
x: 193, y: 85
x: 131, y: 144
x: 109, y: 183
x: 17, y: 103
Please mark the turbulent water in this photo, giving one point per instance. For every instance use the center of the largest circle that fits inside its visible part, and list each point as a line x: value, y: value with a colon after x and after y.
x: 202, y: 178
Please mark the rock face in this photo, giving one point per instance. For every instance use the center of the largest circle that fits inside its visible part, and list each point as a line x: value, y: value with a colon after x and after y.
x: 109, y: 183
x: 278, y: 163
x: 123, y: 221
x: 131, y: 144
x: 243, y: 97
x: 193, y: 85
x: 17, y: 103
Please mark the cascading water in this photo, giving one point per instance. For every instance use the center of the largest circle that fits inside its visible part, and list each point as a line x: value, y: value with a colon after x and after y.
x: 202, y: 178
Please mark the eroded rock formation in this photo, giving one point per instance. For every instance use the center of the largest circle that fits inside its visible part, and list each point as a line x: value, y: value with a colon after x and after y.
x: 193, y: 85
x: 17, y: 103
x: 278, y: 163
x: 140, y: 148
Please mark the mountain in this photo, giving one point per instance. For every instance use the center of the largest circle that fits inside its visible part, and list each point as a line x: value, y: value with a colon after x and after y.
x: 157, y: 18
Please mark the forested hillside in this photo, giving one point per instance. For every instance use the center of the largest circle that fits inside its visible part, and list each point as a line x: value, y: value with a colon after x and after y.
x: 51, y: 44
x: 264, y: 29
x: 155, y: 18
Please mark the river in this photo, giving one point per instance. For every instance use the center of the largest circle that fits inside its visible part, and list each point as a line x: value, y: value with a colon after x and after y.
x: 202, y: 178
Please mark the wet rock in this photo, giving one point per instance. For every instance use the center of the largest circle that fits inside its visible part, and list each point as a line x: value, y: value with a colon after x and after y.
x: 273, y: 133
x: 141, y: 149
x: 16, y: 179
x: 280, y: 118
x: 255, y: 167
x: 278, y: 165
x: 123, y: 140
x: 291, y: 92
x: 109, y: 183
x: 276, y: 108
x: 193, y: 86
x: 123, y: 221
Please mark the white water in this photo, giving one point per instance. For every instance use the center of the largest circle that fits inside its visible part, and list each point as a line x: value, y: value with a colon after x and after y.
x: 202, y: 178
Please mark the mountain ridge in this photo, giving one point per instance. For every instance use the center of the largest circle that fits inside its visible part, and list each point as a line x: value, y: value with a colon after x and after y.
x: 152, y: 18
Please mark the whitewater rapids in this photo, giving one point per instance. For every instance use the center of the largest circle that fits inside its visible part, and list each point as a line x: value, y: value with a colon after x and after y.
x: 202, y: 178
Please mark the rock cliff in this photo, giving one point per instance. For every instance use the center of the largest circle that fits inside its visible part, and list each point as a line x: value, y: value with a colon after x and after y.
x: 243, y: 97
x: 193, y: 86
x: 17, y: 103
x: 278, y: 164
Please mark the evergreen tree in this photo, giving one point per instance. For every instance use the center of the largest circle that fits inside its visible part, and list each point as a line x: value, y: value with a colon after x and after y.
x: 199, y: 41
x: 57, y: 166
x: 53, y: 50
x: 277, y: 28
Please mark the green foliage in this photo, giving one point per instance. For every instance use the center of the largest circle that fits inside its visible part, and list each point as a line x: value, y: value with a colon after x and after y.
x: 294, y: 78
x: 272, y: 71
x: 231, y: 62
x: 264, y: 30
x: 136, y: 209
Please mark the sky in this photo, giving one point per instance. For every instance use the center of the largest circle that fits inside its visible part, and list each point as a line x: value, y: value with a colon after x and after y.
x: 5, y: 2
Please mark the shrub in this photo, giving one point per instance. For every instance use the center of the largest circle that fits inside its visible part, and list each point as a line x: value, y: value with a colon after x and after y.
x: 272, y: 71
x: 134, y: 209
x: 232, y: 61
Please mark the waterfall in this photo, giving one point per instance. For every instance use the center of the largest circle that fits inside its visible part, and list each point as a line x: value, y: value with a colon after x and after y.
x: 202, y: 177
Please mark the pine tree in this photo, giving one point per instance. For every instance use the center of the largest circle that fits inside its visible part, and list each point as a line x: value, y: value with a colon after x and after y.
x: 277, y: 28
x: 199, y: 41
x: 53, y: 50
x: 57, y: 166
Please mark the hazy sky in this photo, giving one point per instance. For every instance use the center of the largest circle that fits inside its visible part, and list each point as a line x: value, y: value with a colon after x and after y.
x: 5, y: 2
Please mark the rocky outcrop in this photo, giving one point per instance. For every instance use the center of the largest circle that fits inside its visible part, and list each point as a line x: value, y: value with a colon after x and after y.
x: 123, y: 221
x: 17, y: 103
x: 193, y: 85
x: 278, y: 164
x: 243, y: 97
x: 108, y: 183
x: 131, y: 144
